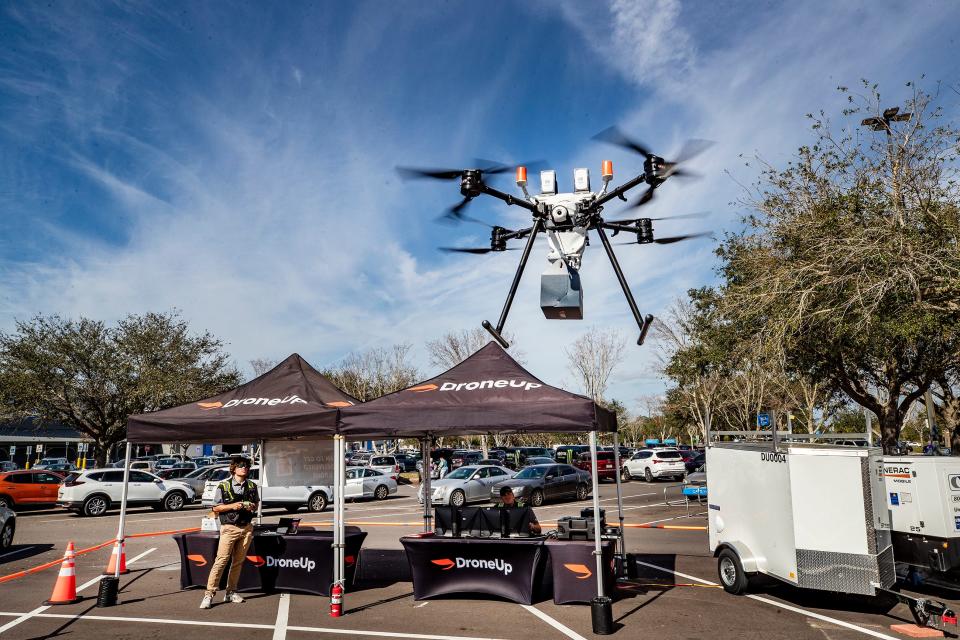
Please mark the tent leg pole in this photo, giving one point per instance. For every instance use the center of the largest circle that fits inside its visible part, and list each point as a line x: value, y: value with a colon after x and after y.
x: 263, y: 483
x: 596, y: 513
x: 427, y: 466
x: 341, y: 525
x: 123, y: 507
x: 622, y: 540
x: 337, y: 454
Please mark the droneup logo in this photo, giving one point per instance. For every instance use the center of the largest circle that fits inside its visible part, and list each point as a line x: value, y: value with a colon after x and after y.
x: 477, y: 385
x: 295, y: 563
x: 270, y: 402
x: 447, y: 564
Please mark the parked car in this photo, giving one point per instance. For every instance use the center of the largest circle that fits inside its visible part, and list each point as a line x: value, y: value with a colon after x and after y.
x: 368, y: 482
x: 387, y: 465
x: 166, y: 463
x: 8, y: 465
x: 651, y: 464
x: 560, y: 455
x: 698, y: 460
x: 466, y: 484
x: 535, y: 460
x: 8, y: 526
x: 177, y: 472
x: 142, y: 465
x: 544, y: 482
x: 606, y: 465
x: 407, y: 462
x: 292, y: 498
x: 197, y: 479
x: 94, y: 491
x: 359, y: 457
x: 46, y: 462
x: 463, y: 458
x: 62, y: 468
x: 29, y: 488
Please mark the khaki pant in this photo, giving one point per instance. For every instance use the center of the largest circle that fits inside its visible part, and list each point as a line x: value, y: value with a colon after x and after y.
x: 234, y: 542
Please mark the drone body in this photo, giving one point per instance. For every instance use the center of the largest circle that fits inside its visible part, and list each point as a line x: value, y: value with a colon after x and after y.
x: 565, y: 219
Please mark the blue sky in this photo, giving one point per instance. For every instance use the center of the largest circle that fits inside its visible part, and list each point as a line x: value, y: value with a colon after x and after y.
x: 235, y: 161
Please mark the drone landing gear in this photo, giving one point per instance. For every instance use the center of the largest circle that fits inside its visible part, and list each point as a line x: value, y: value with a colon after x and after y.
x: 497, y: 333
x: 644, y: 323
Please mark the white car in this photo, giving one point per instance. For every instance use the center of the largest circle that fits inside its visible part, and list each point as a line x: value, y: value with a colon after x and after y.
x: 367, y: 482
x: 651, y: 464
x: 8, y: 525
x: 467, y: 484
x: 94, y: 491
x: 292, y: 498
x: 387, y: 465
x: 47, y: 462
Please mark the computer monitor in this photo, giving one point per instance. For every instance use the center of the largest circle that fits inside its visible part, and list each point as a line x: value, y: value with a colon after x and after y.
x: 288, y: 526
x: 454, y: 521
x: 498, y: 522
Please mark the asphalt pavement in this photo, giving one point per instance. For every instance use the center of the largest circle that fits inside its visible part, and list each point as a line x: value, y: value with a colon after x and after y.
x: 674, y: 594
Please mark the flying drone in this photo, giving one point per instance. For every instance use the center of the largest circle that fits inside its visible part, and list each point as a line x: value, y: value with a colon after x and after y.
x: 566, y: 218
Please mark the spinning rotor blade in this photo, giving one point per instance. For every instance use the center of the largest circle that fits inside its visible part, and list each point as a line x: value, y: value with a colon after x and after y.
x: 698, y: 214
x: 689, y: 236
x: 420, y: 173
x: 613, y: 135
x: 671, y: 239
x: 473, y: 250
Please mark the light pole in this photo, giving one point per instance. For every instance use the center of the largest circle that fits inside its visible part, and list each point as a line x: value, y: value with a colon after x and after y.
x: 882, y: 123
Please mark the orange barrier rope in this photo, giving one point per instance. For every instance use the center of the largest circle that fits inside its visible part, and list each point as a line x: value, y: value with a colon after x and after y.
x: 53, y: 563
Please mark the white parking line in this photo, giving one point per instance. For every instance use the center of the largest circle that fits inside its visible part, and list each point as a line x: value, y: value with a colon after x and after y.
x: 283, y: 616
x: 781, y: 605
x: 567, y: 631
x: 247, y: 625
x: 39, y: 610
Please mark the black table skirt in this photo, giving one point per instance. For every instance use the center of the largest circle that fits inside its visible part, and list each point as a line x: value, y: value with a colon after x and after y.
x: 508, y: 568
x: 574, y: 569
x: 301, y: 562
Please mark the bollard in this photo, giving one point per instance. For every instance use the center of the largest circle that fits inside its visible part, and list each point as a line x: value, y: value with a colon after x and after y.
x: 107, y: 596
x: 601, y: 612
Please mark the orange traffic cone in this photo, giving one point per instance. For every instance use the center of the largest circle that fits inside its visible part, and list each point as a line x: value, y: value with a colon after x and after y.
x: 65, y: 590
x: 119, y: 549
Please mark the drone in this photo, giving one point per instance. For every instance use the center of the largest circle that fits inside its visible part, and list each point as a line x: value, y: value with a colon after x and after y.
x: 566, y: 219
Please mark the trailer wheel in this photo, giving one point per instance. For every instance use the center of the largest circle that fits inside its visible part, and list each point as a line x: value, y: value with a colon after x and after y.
x: 732, y: 576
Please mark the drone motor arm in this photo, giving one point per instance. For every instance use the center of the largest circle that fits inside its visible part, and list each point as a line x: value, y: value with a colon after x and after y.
x: 643, y: 322
x: 498, y: 331
x: 622, y: 189
x: 509, y: 199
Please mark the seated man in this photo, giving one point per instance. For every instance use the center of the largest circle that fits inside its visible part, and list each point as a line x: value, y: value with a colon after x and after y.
x: 508, y: 501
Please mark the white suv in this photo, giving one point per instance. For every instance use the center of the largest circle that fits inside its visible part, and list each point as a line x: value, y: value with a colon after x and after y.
x: 94, y: 491
x: 654, y: 463
x: 313, y: 497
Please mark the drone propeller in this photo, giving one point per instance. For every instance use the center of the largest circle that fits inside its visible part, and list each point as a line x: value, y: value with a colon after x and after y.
x: 473, y: 250
x: 671, y: 239
x: 698, y: 214
x: 666, y: 169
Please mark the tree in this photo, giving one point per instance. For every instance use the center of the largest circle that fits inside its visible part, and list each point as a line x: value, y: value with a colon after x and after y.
x: 91, y: 376
x: 261, y: 365
x: 593, y: 358
x: 375, y: 372
x: 850, y: 263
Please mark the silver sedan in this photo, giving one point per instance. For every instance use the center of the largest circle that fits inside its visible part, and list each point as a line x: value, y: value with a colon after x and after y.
x: 471, y: 483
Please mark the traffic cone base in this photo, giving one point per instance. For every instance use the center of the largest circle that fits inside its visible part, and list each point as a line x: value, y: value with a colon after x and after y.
x: 112, y: 565
x: 65, y: 589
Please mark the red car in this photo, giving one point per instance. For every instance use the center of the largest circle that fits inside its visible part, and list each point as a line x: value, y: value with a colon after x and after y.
x: 29, y: 488
x: 606, y: 466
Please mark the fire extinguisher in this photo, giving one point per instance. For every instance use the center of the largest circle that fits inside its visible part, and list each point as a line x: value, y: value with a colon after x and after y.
x: 336, y: 600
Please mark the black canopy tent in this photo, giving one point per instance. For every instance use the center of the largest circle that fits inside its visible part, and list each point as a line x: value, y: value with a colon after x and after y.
x: 487, y: 393
x: 291, y: 401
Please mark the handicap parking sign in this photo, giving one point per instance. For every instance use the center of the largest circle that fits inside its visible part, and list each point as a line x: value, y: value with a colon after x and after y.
x: 956, y: 522
x: 763, y: 419
x: 894, y: 499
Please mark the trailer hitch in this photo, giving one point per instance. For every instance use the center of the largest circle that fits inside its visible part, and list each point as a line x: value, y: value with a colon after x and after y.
x: 926, y: 613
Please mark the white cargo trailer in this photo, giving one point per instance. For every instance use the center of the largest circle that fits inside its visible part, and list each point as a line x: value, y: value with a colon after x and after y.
x: 811, y: 515
x: 923, y: 495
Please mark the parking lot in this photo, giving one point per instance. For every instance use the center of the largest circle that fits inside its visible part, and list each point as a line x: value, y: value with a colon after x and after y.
x: 674, y: 594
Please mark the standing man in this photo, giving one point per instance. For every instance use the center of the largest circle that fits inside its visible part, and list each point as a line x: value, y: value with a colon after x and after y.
x: 236, y: 503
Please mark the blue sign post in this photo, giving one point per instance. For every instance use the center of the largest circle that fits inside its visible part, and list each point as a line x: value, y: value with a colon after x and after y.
x: 763, y: 420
